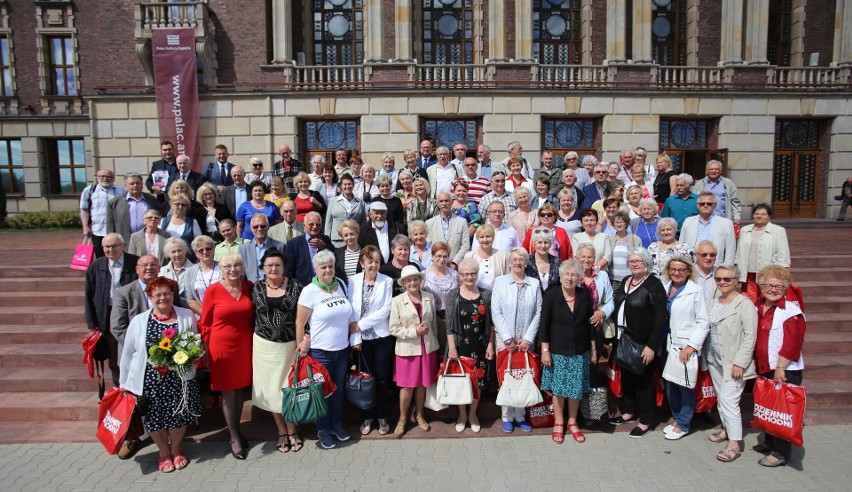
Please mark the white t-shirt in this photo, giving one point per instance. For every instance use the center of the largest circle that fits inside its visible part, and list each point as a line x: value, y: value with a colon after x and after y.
x: 330, y: 317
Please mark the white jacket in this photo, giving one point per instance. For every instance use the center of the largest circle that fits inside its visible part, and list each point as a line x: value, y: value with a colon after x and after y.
x: 134, y: 356
x: 504, y: 304
x: 772, y: 248
x: 721, y: 235
x: 378, y: 315
x: 688, y: 320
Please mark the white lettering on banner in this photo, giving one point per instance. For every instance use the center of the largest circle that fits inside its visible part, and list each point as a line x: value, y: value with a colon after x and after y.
x: 111, y: 423
x: 541, y: 411
x: 176, y: 111
x: 173, y: 40
x: 318, y: 378
x: 773, y: 416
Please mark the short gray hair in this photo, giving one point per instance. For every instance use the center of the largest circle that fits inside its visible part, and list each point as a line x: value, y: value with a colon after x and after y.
x: 589, y: 246
x: 730, y: 268
x: 319, y: 157
x: 384, y: 179
x: 520, y: 251
x: 520, y: 190
x: 152, y: 212
x: 400, y: 240
x: 705, y: 242
x: 175, y: 241
x: 693, y: 274
x: 541, y: 233
x: 601, y: 165
x: 323, y: 257
x: 418, y: 224
x: 469, y: 262
x: 643, y: 254
x: 665, y: 221
x: 710, y: 162
x: 649, y: 202
x: 571, y: 264
x: 202, y: 239
x: 590, y: 158
x: 512, y: 145
x: 686, y: 177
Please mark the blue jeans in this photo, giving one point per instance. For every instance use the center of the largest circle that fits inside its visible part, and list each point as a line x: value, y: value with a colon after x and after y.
x: 336, y: 363
x: 682, y: 403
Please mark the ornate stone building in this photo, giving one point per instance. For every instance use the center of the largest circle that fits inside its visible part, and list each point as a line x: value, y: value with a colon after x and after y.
x: 762, y: 84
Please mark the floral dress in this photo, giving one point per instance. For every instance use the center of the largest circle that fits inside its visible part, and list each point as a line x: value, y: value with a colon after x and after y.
x: 468, y: 212
x: 472, y: 343
x: 164, y: 392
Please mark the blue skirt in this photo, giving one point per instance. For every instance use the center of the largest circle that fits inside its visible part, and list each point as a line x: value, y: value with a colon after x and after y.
x: 567, y: 376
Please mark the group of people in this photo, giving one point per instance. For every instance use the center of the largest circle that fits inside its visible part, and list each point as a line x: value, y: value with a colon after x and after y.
x: 442, y: 259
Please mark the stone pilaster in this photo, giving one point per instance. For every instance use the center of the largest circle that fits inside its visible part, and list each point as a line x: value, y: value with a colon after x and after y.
x: 756, y: 32
x: 616, y: 31
x: 282, y: 31
x: 403, y: 38
x: 731, y: 49
x: 842, y: 52
x: 373, y: 31
x: 641, y: 32
x: 523, y: 30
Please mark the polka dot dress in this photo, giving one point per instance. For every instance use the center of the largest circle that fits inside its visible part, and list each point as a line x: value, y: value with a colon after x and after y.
x: 164, y: 392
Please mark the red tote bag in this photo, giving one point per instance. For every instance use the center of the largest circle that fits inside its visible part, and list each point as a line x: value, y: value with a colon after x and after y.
x: 114, y: 416
x: 705, y: 393
x: 320, y: 376
x: 613, y: 373
x: 779, y: 409
x: 541, y: 416
x: 84, y: 253
x: 519, y: 365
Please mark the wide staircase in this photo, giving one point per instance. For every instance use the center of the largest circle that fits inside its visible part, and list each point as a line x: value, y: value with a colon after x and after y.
x: 47, y: 396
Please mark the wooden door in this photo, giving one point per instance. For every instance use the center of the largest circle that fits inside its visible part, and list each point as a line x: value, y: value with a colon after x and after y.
x: 795, y: 175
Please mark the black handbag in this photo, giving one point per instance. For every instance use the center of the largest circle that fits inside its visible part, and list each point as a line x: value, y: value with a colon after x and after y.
x: 361, y: 386
x: 628, y: 355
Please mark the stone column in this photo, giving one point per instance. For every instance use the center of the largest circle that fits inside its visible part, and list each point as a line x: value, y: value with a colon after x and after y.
x: 402, y: 15
x: 616, y: 31
x: 757, y: 40
x: 282, y: 31
x: 641, y: 32
x: 523, y: 30
x: 496, y: 30
x: 842, y: 52
x: 373, y: 31
x: 731, y: 51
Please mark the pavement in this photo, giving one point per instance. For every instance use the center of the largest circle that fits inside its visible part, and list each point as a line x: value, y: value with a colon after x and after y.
x: 607, y: 461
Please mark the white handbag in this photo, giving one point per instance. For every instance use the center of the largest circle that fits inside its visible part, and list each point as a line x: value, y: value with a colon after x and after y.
x: 454, y: 389
x: 681, y: 374
x: 432, y: 398
x: 519, y: 392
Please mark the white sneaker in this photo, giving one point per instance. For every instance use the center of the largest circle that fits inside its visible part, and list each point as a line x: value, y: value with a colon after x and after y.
x: 674, y: 436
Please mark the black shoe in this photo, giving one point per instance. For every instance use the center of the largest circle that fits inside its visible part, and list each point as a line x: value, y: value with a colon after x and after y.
x: 241, y: 454
x: 244, y: 443
x: 617, y: 420
x: 638, y: 432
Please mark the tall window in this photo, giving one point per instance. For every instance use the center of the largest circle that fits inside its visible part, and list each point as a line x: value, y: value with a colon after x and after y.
x: 324, y: 137
x: 448, y: 32
x: 796, y: 166
x: 5, y: 67
x: 668, y: 32
x: 338, y: 32
x: 556, y: 32
x: 779, y: 32
x: 449, y: 132
x: 63, y: 78
x: 67, y: 165
x: 12, y: 166
x: 561, y: 135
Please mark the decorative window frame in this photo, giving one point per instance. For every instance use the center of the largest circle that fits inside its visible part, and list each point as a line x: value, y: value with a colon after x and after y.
x: 56, y: 18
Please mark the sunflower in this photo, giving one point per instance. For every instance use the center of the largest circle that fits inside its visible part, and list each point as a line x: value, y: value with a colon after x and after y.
x: 165, y: 344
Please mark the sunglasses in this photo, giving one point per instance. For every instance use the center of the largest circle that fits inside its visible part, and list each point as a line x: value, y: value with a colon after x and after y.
x: 547, y: 214
x: 724, y: 280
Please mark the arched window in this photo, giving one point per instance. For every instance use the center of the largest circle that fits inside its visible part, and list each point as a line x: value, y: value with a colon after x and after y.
x: 448, y: 36
x: 668, y: 32
x: 556, y: 32
x: 338, y: 32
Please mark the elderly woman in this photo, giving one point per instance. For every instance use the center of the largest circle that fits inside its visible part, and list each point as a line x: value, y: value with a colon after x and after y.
x: 414, y: 323
x: 306, y: 200
x: 274, y: 343
x: 633, y: 197
x: 211, y: 212
x: 327, y: 187
x: 411, y: 157
x: 688, y: 327
x: 590, y: 234
x: 469, y: 332
x: 178, y: 223
x: 492, y: 262
x: 645, y: 226
x: 440, y: 278
x: 421, y: 247
x: 524, y: 218
x: 560, y: 245
x: 542, y: 265
x: 640, y: 314
x: 567, y: 348
x: 181, y: 187
x: 568, y: 215
x: 665, y: 183
x: 542, y: 193
x: 370, y: 293
x: 613, y: 168
x: 607, y: 213
x: 729, y: 352
x: 355, y: 163
x: 367, y: 189
x: 668, y: 246
x: 324, y: 307
x: 760, y: 244
x: 515, y: 310
x: 226, y: 328
x: 150, y: 240
x: 257, y: 174
x: 345, y: 206
x: 256, y: 205
x: 421, y: 206
x: 778, y: 347
x: 405, y: 188
x: 178, y: 263
x: 347, y: 257
x: 164, y: 420
x: 465, y: 209
x: 620, y: 244
x: 278, y: 192
x: 400, y: 252
x: 199, y: 277
x: 637, y: 172
x: 396, y: 212
x: 598, y: 284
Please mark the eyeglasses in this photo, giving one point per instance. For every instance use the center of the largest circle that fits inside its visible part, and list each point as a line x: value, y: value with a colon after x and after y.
x: 204, y: 250
x: 770, y: 287
x: 547, y: 214
x: 542, y: 230
x: 273, y: 266
x: 498, y: 212
x: 635, y: 262
x: 230, y: 267
x: 468, y: 275
x: 601, y: 172
x: 706, y: 255
x: 162, y: 295
x: 724, y: 280
x: 106, y: 176
x: 152, y: 218
x: 257, y: 165
x: 259, y: 226
x: 678, y: 270
x: 706, y: 204
x: 180, y: 205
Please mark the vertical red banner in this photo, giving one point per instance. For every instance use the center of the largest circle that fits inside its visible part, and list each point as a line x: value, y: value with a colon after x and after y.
x: 177, y: 90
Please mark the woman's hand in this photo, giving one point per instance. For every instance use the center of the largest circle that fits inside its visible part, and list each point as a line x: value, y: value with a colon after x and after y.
x: 546, y: 359
x: 593, y: 355
x: 489, y: 352
x: 452, y: 353
x: 422, y: 329
x: 647, y: 355
x: 597, y: 318
x: 523, y: 345
x: 304, y: 347
x: 736, y: 373
x: 685, y: 354
x: 780, y: 375
x: 357, y: 347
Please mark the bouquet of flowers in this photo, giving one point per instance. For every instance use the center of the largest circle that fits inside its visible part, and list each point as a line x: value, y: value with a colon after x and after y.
x: 177, y: 352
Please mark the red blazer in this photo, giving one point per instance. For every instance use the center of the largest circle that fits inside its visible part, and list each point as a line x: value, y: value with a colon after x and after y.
x: 565, y: 250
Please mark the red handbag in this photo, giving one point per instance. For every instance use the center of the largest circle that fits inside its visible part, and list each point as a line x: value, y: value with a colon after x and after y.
x: 541, y: 416
x: 95, y: 352
x: 779, y: 409
x: 320, y: 374
x: 469, y: 367
x: 518, y: 361
x: 705, y: 393
x: 613, y: 373
x: 114, y: 416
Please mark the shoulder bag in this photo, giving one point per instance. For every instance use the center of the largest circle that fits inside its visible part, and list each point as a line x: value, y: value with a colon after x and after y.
x: 685, y: 375
x: 519, y: 392
x: 454, y: 389
x: 305, y: 404
x: 360, y: 386
x: 628, y: 355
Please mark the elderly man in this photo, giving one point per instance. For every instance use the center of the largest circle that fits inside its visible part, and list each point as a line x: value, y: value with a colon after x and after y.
x: 125, y: 213
x: 487, y: 167
x: 301, y: 250
x: 288, y: 228
x: 256, y: 172
x: 230, y: 242
x: 569, y: 182
x: 379, y: 232
x: 727, y: 195
x: 185, y: 173
x: 287, y: 168
x: 597, y: 189
x: 478, y: 186
x: 341, y: 162
x: 505, y: 236
x: 683, y: 203
x: 459, y: 154
x: 705, y: 256
x: 515, y: 149
x: 218, y: 173
x: 499, y: 193
x: 442, y: 174
x: 104, y: 277
x: 161, y: 169
x: 550, y: 172
x: 449, y: 228
x: 252, y: 251
x: 707, y: 226
x: 236, y: 194
x: 626, y: 159
x: 426, y: 159
x: 317, y: 165
x: 93, y: 207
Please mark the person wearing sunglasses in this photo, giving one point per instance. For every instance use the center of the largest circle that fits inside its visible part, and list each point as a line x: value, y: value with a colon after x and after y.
x: 199, y: 277
x: 252, y: 251
x: 707, y: 225
x: 560, y: 246
x: 256, y: 172
x: 596, y: 190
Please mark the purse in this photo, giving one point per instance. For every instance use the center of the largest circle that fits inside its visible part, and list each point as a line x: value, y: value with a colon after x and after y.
x: 519, y: 392
x: 360, y: 386
x: 454, y: 389
x: 628, y: 355
x: 305, y: 404
x: 432, y: 399
x: 685, y: 375
x: 594, y: 406
x: 115, y: 414
x: 84, y: 254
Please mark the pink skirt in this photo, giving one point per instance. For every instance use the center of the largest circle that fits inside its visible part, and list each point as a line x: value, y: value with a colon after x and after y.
x: 416, y: 370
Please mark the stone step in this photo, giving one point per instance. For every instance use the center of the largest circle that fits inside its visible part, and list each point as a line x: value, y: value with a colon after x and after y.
x: 814, y: 274
x: 821, y: 261
x: 40, y: 271
x: 828, y: 415
x: 48, y: 431
x: 828, y: 304
x: 41, y: 355
x: 827, y: 392
x: 41, y: 284
x: 42, y: 316
x: 820, y: 288
x: 827, y: 322
x: 50, y: 379
x: 61, y: 298
x: 828, y: 366
x: 71, y: 333
x: 48, y: 406
x: 828, y: 343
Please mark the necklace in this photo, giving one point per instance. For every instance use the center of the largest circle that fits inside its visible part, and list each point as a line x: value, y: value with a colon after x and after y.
x: 272, y: 287
x: 569, y: 299
x: 163, y: 318
x: 634, y: 283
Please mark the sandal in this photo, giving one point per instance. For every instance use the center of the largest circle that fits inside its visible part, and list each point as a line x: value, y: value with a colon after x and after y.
x: 366, y: 427
x: 577, y: 435
x: 728, y: 454
x: 384, y: 428
x: 400, y: 429
x: 180, y: 461
x: 421, y: 422
x: 558, y: 436
x: 284, y: 447
x: 296, y: 442
x: 717, y: 437
x: 779, y: 460
x: 165, y: 464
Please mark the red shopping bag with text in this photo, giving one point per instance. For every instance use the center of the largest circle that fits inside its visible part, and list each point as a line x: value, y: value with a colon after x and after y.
x: 779, y: 409
x: 114, y: 416
x: 705, y: 393
x: 320, y: 376
x: 613, y: 373
x: 541, y: 416
x: 84, y: 253
x: 469, y: 366
x: 519, y: 365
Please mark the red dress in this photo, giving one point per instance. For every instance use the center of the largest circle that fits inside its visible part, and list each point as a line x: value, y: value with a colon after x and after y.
x: 227, y: 326
x: 303, y: 206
